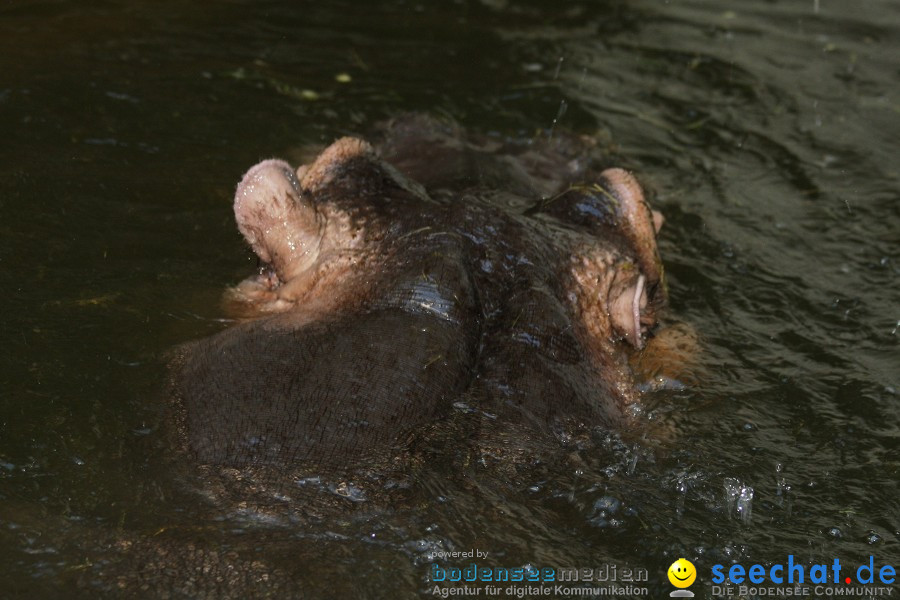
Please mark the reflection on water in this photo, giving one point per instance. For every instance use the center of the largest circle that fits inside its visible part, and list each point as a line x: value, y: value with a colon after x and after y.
x: 767, y: 131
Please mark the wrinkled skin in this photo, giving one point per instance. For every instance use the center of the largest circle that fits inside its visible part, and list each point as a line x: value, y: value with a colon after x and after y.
x: 420, y: 274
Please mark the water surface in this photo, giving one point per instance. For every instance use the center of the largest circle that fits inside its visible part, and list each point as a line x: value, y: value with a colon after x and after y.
x: 766, y: 131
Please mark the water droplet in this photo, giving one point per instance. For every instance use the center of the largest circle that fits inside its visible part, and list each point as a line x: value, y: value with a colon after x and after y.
x: 732, y: 491
x: 745, y: 504
x: 608, y: 505
x: 632, y: 464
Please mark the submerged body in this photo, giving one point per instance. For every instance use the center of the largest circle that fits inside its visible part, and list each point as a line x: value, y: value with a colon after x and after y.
x: 430, y: 306
x: 425, y: 274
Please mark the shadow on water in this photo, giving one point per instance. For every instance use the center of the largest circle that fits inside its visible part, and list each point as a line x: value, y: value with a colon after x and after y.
x: 767, y: 132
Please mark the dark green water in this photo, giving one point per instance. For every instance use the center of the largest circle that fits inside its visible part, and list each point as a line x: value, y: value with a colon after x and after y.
x: 767, y: 131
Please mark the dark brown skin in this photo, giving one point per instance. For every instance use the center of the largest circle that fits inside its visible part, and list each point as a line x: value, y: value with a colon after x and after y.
x: 427, y: 303
x: 425, y: 271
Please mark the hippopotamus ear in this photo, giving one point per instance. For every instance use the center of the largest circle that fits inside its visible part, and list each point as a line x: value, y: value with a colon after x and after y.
x: 350, y: 166
x: 614, y: 206
x: 288, y: 217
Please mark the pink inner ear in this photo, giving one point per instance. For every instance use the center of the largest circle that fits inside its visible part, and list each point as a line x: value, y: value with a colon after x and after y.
x: 658, y: 220
x: 263, y: 197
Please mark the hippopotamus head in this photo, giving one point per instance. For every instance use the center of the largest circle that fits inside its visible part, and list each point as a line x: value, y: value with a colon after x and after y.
x: 426, y: 273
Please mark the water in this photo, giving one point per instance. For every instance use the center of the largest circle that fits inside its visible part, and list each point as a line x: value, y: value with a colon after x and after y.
x: 767, y: 132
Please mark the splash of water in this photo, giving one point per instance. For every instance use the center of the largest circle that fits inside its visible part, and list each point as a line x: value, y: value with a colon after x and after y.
x: 745, y: 504
x: 738, y: 499
x: 732, y: 491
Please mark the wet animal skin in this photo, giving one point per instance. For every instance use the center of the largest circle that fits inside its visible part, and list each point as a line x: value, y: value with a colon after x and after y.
x: 426, y: 270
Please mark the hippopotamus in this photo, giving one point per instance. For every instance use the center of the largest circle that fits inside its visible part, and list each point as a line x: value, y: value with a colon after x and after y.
x: 439, y: 321
x: 419, y: 274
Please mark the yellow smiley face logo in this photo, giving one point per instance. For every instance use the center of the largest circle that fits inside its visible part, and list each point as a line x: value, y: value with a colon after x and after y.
x: 682, y: 573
